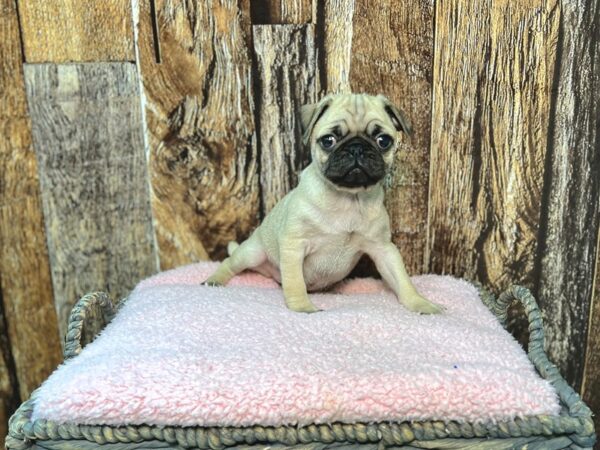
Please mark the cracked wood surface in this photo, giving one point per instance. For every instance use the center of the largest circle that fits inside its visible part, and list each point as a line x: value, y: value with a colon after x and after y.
x: 493, y: 74
x: 568, y: 241
x: 199, y: 113
x: 334, y: 44
x: 88, y: 139
x: 286, y: 80
x: 281, y: 11
x: 76, y: 31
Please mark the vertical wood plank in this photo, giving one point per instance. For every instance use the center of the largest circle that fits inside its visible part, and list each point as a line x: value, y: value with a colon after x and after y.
x: 286, y: 71
x: 462, y: 47
x: 333, y: 22
x: 392, y: 54
x: 199, y: 112
x: 9, y: 390
x: 571, y: 214
x: 493, y: 73
x: 24, y: 267
x: 74, y: 30
x: 281, y: 11
x: 87, y: 135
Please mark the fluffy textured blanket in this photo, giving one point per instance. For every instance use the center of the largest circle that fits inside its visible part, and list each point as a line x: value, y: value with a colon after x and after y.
x: 183, y: 354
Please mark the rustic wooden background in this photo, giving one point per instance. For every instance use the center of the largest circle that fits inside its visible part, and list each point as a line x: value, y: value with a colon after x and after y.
x: 142, y: 135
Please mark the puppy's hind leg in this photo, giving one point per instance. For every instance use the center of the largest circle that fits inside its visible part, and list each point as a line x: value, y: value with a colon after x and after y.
x: 264, y: 268
x: 246, y: 255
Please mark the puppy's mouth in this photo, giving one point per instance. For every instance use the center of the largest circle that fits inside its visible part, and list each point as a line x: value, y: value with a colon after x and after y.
x: 357, y: 164
x: 356, y: 176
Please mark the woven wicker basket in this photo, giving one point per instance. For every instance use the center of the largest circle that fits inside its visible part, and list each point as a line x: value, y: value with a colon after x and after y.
x: 573, y: 428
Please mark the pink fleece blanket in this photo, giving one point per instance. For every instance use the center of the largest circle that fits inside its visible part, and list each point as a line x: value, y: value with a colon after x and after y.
x: 183, y: 354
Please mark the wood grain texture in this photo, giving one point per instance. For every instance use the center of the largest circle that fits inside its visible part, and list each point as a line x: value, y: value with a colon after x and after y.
x: 286, y: 72
x: 494, y: 63
x: 24, y: 267
x: 392, y: 54
x: 281, y: 11
x: 9, y: 388
x: 88, y: 139
x: 571, y: 214
x: 75, y: 30
x: 199, y: 112
x: 333, y: 22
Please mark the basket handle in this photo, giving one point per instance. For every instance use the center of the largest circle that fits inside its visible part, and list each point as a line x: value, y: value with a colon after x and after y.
x: 88, y: 317
x: 535, y: 350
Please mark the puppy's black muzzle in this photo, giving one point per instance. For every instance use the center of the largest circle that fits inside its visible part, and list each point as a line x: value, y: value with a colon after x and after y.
x: 356, y: 163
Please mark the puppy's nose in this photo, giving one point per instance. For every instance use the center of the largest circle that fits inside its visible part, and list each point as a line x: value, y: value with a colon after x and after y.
x: 356, y: 150
x: 356, y: 147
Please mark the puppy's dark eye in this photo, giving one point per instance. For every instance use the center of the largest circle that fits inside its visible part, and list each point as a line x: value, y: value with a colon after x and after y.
x: 384, y: 141
x: 328, y: 141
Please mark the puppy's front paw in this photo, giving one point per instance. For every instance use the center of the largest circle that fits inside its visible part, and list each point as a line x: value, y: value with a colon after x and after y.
x: 420, y: 304
x: 211, y: 282
x: 301, y: 304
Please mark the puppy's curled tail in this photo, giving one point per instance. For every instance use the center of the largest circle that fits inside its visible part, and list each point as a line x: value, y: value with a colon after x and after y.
x: 231, y: 246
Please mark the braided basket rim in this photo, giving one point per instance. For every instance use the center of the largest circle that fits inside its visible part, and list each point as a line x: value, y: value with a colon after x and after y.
x: 575, y: 421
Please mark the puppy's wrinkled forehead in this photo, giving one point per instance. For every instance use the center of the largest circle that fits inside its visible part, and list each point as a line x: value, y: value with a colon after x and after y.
x: 353, y: 113
x: 345, y: 114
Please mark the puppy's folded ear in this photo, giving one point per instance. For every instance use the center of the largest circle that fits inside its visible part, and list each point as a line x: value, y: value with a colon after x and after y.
x: 310, y: 115
x: 399, y: 119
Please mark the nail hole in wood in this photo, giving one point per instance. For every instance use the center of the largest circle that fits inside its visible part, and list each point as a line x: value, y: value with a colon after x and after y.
x: 155, y: 32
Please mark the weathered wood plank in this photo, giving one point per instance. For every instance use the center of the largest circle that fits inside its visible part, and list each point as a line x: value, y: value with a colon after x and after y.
x: 333, y: 22
x: 286, y: 71
x: 9, y: 390
x: 281, y: 11
x: 491, y: 106
x: 392, y: 54
x: 199, y: 111
x: 88, y: 138
x: 24, y: 267
x: 571, y: 213
x: 74, y: 30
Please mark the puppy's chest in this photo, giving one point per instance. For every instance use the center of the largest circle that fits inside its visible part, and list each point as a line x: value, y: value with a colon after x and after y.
x: 333, y: 250
x: 338, y: 243
x: 347, y: 225
x: 329, y: 258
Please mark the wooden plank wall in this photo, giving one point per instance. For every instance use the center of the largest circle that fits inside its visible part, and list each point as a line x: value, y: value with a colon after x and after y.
x: 286, y: 67
x: 201, y: 127
x: 188, y: 136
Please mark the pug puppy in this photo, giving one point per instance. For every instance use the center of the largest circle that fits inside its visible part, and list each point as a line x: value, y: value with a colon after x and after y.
x: 317, y: 233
